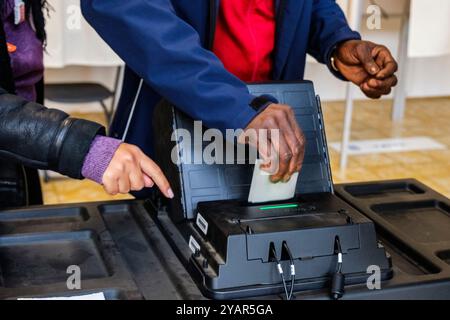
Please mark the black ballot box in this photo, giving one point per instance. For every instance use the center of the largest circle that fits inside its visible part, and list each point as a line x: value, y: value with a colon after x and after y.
x: 371, y: 240
x: 235, y: 249
x: 124, y: 252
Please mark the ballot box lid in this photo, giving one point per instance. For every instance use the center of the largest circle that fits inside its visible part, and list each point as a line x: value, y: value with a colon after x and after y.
x: 195, y: 181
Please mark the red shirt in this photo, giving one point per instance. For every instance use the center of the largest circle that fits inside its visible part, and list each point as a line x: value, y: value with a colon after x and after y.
x: 245, y: 38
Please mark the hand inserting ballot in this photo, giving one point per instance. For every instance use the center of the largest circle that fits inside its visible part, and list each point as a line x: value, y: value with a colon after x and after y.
x: 286, y: 148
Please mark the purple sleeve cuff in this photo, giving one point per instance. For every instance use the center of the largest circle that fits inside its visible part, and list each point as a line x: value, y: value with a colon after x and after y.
x: 98, y: 158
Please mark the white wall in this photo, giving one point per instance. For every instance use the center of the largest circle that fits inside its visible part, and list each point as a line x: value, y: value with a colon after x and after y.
x: 427, y: 77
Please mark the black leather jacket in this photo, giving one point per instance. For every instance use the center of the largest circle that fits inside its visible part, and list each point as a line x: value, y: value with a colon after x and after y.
x: 43, y: 138
x: 34, y: 136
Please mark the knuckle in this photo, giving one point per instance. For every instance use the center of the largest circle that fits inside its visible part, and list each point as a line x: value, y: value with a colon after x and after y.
x: 108, y: 175
x: 124, y: 189
x: 361, y: 48
x: 280, y: 113
x: 291, y: 111
x: 302, y: 139
x: 395, y: 66
x: 128, y: 158
x: 394, y: 81
x: 119, y: 169
x: 270, y: 122
x: 109, y: 189
x: 158, y: 172
x: 134, y: 148
x: 286, y: 157
x: 140, y: 186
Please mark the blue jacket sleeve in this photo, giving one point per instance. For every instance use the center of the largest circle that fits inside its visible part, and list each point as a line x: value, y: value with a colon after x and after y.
x: 329, y: 27
x: 166, y: 52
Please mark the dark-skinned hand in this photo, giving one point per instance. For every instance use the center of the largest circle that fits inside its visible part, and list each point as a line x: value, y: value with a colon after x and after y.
x: 282, y: 152
x: 368, y: 65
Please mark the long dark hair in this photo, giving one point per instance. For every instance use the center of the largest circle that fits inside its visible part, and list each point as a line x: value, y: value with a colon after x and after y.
x: 39, y: 9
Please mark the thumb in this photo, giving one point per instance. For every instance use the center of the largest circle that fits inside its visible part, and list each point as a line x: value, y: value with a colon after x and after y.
x: 364, y: 55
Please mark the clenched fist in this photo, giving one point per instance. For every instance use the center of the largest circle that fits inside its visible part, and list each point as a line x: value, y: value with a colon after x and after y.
x: 368, y: 65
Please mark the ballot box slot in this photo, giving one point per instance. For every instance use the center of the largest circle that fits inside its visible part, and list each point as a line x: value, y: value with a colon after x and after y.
x: 317, y: 216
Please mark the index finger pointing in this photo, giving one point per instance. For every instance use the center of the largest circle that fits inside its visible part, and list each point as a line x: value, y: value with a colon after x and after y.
x: 152, y: 170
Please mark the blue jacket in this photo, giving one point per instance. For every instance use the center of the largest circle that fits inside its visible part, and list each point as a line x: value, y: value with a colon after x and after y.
x: 166, y: 44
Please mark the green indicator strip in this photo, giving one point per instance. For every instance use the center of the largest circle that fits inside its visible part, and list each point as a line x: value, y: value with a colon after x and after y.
x: 281, y: 206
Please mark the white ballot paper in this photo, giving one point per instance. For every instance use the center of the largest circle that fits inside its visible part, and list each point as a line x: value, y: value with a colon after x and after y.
x: 263, y: 190
x: 93, y: 296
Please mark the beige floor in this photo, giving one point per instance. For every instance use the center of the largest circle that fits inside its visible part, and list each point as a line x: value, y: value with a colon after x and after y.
x: 424, y: 117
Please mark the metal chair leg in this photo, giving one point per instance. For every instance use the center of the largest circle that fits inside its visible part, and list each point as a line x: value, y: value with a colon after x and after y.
x: 106, y: 112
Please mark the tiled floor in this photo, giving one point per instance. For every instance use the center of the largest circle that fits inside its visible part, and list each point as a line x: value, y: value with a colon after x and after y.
x: 424, y: 117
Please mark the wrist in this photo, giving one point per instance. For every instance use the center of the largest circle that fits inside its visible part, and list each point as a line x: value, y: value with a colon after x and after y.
x: 97, y: 160
x: 334, y: 56
x: 260, y: 103
x: 333, y: 60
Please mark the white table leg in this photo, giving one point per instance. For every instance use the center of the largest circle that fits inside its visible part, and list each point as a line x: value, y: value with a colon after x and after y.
x: 399, y: 103
x: 347, y: 129
x: 356, y: 14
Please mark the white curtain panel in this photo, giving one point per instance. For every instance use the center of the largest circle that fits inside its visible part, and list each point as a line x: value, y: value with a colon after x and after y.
x: 429, y: 34
x: 71, y: 41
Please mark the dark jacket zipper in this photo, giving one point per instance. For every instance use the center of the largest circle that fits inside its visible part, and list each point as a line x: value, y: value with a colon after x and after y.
x: 212, y: 23
x: 281, y: 6
x: 56, y: 147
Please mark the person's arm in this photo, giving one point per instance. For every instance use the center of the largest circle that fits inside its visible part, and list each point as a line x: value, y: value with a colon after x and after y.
x: 368, y: 65
x: 329, y: 27
x: 43, y: 138
x: 166, y: 52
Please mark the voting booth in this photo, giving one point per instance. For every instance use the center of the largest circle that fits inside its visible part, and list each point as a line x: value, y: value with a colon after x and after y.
x: 240, y: 248
x: 371, y: 240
